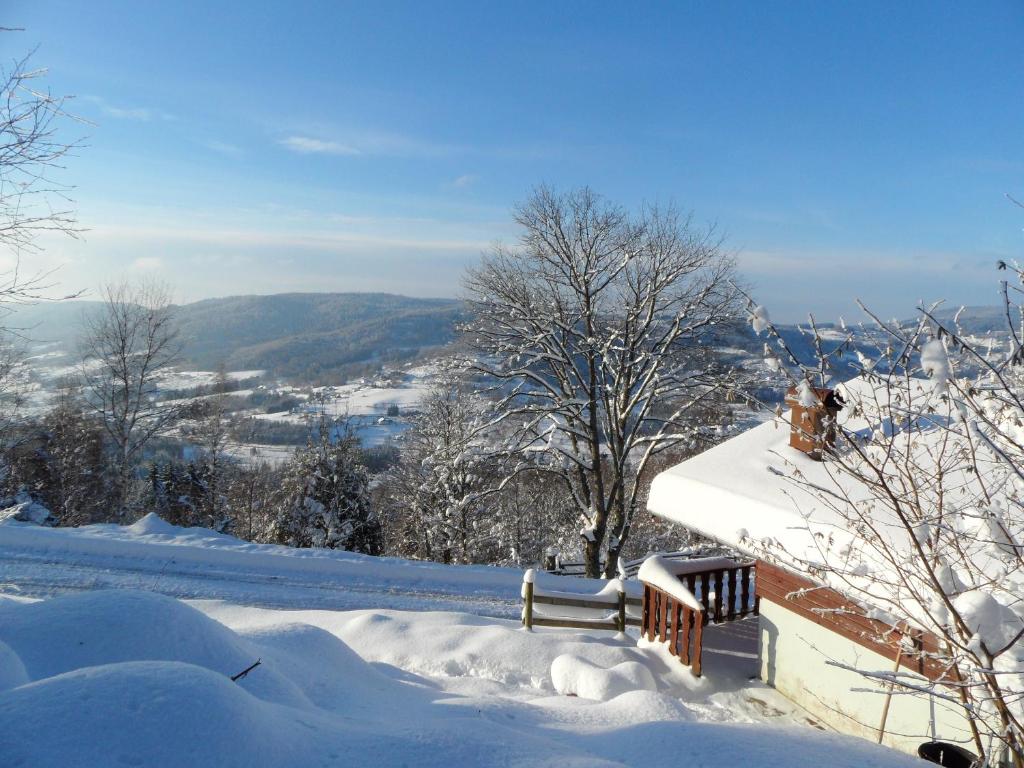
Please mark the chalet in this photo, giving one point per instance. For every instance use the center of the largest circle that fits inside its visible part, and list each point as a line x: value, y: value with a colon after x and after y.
x: 811, y: 636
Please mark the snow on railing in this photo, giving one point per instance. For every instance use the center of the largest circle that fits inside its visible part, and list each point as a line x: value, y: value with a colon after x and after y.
x: 723, y: 585
x: 627, y: 569
x: 610, y: 608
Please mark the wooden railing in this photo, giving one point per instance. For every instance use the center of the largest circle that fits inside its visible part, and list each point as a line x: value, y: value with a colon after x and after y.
x: 668, y: 618
x: 681, y: 597
x: 555, y: 565
x: 601, y: 611
x: 727, y: 593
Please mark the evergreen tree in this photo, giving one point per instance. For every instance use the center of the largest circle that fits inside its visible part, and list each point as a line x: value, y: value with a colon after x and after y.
x: 324, y: 499
x: 59, y: 461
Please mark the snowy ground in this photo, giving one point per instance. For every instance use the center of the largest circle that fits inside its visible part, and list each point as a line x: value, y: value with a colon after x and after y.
x: 198, y: 563
x: 104, y: 671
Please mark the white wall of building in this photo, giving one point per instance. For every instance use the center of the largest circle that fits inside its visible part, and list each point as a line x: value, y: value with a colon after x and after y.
x: 794, y: 656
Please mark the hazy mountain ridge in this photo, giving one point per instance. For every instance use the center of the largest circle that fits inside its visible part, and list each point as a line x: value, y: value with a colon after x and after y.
x: 314, y: 334
x: 292, y: 335
x: 308, y: 336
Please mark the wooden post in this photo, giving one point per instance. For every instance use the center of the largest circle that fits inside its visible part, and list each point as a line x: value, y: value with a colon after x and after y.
x: 684, y: 649
x: 528, y: 607
x: 698, y: 641
x: 705, y: 591
x: 622, y: 607
x: 645, y: 621
x: 691, y: 584
x: 673, y: 646
x: 745, y: 576
x: 719, y: 588
x: 732, y: 594
x: 666, y: 602
x: 888, y: 696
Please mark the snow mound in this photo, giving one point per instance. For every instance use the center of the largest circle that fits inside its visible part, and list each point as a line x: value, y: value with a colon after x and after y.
x: 337, y: 672
x: 460, y: 645
x: 22, y: 508
x: 179, y: 714
x: 572, y: 674
x: 128, y: 678
x: 152, y: 523
x: 89, y: 629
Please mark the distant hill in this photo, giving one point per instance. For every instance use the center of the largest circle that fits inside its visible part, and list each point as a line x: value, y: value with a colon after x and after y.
x: 308, y: 335
x: 294, y: 335
x: 58, y: 321
x: 978, y: 320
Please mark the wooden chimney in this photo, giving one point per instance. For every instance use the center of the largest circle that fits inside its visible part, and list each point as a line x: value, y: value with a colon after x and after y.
x: 813, y: 428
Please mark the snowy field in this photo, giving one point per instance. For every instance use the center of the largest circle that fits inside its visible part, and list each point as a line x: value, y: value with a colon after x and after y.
x: 363, y: 661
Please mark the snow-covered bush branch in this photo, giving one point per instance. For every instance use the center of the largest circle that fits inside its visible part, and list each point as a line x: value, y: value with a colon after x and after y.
x: 919, y: 517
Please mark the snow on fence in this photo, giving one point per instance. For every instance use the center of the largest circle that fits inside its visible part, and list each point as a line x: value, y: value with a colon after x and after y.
x: 613, y: 608
x: 681, y: 597
x: 555, y: 565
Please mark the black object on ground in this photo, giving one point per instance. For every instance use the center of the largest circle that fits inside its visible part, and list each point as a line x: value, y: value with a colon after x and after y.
x: 943, y: 753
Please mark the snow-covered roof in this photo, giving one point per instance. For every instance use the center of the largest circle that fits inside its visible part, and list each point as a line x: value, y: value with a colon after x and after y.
x: 757, y: 494
x: 743, y: 493
x: 737, y: 492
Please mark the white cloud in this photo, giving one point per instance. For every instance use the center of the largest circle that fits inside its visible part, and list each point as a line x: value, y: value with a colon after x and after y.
x: 337, y: 241
x: 464, y: 181
x: 147, y: 264
x: 306, y: 146
x: 140, y: 114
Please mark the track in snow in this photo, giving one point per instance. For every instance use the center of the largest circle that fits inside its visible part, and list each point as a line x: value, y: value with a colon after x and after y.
x: 37, y: 575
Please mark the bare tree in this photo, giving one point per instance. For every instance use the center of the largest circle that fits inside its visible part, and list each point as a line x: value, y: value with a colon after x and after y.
x: 250, y: 491
x: 213, y: 431
x: 595, y: 328
x: 32, y: 201
x: 129, y: 343
x: 921, y: 517
x: 30, y: 151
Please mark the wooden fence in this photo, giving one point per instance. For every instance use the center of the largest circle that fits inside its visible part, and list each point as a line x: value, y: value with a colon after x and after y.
x: 680, y: 597
x: 600, y: 611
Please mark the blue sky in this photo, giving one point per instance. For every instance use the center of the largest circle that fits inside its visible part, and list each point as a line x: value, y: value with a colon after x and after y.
x: 844, y: 149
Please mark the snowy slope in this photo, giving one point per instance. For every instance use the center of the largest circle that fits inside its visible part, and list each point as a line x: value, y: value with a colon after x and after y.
x: 132, y: 678
x: 198, y: 563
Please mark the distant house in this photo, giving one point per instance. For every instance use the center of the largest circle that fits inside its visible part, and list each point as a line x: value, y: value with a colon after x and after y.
x: 738, y: 494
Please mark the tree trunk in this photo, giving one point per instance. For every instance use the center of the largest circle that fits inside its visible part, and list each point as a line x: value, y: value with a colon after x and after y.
x: 611, y: 566
x: 592, y: 557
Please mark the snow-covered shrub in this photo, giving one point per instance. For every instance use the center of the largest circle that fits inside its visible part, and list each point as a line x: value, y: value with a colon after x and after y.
x: 25, y: 509
x: 324, y: 498
x: 922, y: 517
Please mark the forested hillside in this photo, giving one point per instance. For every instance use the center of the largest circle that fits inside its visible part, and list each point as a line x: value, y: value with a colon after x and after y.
x: 307, y: 335
x: 301, y: 336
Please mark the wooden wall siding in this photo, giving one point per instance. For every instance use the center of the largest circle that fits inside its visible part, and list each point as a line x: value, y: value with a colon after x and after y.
x: 828, y: 608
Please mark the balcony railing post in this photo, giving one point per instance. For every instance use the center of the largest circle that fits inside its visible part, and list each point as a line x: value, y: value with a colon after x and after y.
x: 698, y: 641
